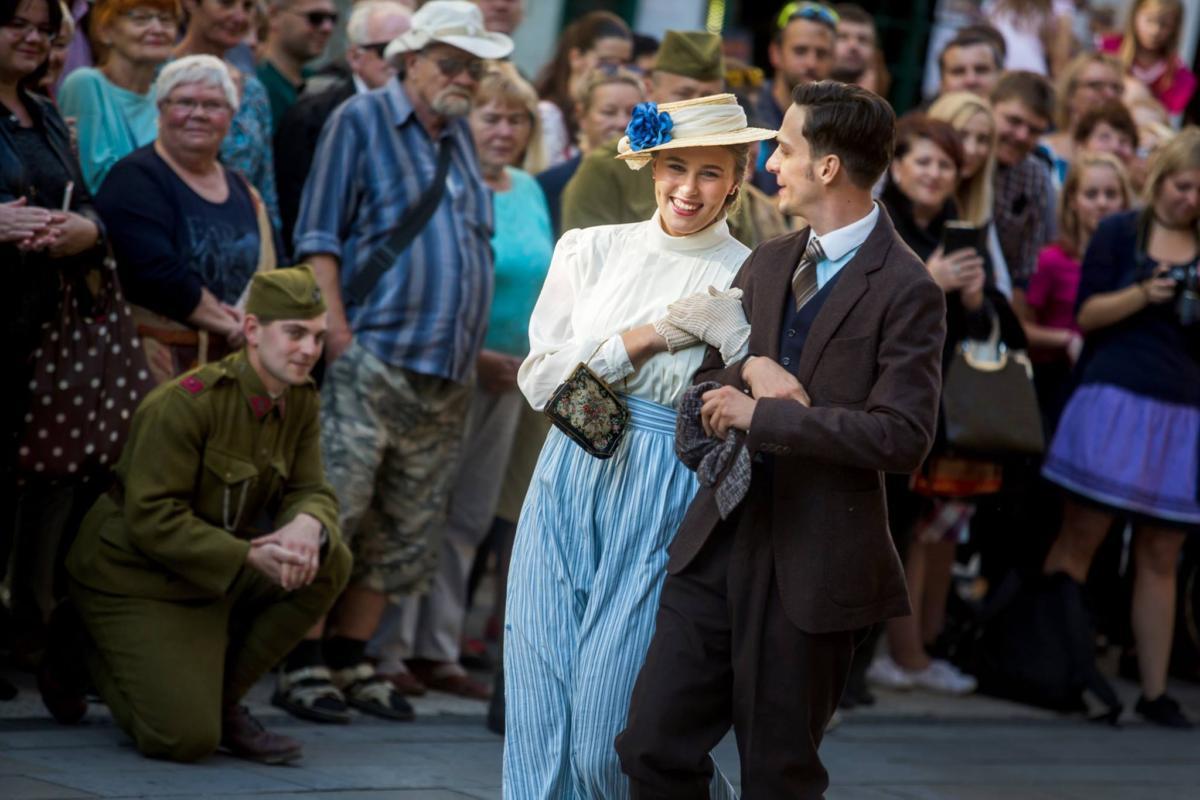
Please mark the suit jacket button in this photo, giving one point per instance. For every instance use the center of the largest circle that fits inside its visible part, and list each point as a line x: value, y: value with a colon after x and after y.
x: 785, y: 360
x: 791, y: 331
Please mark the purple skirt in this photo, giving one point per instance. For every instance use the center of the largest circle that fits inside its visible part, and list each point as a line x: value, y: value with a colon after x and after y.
x: 1128, y: 452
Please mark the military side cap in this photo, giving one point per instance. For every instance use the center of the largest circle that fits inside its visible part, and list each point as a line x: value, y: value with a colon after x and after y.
x: 693, y: 54
x: 288, y: 293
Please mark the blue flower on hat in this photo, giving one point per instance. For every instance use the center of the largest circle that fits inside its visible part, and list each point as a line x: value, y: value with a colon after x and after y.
x: 648, y: 127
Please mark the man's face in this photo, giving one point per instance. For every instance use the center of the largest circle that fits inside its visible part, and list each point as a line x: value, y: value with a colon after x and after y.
x: 444, y: 78
x: 1018, y: 129
x: 502, y: 16
x: 855, y: 48
x: 366, y: 58
x: 303, y: 28
x: 286, y: 350
x: 793, y: 166
x: 803, y: 54
x: 667, y: 87
x: 969, y: 69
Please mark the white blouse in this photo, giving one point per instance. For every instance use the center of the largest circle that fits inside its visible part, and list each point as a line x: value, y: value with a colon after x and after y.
x: 608, y: 279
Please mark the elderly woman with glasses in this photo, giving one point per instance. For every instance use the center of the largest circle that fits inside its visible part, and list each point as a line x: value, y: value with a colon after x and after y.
x: 214, y: 28
x: 188, y: 233
x: 112, y: 104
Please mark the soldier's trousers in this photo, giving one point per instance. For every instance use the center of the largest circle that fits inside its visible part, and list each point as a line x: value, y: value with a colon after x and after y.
x: 166, y: 668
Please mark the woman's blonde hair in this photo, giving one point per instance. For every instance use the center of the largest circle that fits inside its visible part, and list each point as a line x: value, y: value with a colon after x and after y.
x: 504, y: 85
x: 1068, y: 81
x: 1181, y: 153
x: 974, y: 195
x: 1069, y: 234
x: 1129, y: 43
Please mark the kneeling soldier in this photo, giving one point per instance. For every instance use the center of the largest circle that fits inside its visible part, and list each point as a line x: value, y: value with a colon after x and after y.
x: 187, y: 595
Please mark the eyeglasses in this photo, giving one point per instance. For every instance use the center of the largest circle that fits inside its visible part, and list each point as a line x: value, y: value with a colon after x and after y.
x: 377, y: 48
x: 142, y: 18
x: 813, y: 12
x: 317, y: 18
x: 452, y: 67
x: 23, y: 27
x: 187, y: 106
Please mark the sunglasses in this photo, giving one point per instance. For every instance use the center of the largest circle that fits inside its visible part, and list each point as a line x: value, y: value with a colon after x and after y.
x: 452, y: 67
x: 318, y: 18
x: 375, y: 47
x: 813, y: 12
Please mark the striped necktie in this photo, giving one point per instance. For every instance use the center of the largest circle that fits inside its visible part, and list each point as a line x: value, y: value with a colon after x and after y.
x: 804, y: 279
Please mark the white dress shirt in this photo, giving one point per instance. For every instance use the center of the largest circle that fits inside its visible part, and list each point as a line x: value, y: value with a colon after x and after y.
x: 608, y: 279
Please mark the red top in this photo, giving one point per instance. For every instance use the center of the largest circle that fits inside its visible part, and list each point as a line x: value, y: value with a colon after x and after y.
x: 1174, y: 84
x: 1053, y: 287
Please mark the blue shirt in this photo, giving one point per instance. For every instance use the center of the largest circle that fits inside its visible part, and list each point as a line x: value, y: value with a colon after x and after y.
x: 523, y: 246
x: 842, y: 244
x: 428, y: 313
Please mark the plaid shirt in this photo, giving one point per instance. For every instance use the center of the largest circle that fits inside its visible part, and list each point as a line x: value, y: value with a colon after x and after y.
x: 1024, y: 215
x: 429, y: 312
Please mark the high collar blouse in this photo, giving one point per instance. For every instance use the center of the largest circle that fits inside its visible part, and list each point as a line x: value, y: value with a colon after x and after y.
x: 608, y: 279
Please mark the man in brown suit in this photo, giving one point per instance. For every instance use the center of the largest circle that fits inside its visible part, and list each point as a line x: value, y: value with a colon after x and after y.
x: 757, y: 619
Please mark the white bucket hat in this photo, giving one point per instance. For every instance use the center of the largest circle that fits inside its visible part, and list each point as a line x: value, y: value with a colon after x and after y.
x: 709, y: 121
x: 457, y: 23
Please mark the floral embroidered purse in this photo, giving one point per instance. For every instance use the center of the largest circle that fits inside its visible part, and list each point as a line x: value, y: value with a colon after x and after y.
x: 586, y: 408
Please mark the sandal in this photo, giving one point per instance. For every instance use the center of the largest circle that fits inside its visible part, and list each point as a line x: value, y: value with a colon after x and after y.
x: 371, y: 693
x: 309, y: 693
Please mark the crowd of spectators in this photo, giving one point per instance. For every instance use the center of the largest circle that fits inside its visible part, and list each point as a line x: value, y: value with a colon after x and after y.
x: 195, y: 143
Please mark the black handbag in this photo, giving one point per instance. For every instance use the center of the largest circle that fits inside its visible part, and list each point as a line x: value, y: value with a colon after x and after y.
x: 989, y: 406
x: 586, y: 409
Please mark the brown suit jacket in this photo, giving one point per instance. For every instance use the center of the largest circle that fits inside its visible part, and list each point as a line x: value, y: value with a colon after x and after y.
x: 872, y: 367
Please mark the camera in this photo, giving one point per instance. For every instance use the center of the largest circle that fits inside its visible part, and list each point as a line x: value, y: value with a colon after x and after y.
x: 1187, y: 293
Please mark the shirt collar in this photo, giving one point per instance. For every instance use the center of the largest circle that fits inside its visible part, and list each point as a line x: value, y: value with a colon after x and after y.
x: 836, y: 244
x: 360, y: 86
x: 252, y: 387
x: 403, y: 112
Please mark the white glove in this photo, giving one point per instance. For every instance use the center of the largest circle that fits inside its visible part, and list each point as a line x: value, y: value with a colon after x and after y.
x: 716, y: 317
x: 677, y: 338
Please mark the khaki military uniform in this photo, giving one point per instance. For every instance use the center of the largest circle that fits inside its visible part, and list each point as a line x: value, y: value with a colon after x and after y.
x: 179, y: 623
x: 605, y: 191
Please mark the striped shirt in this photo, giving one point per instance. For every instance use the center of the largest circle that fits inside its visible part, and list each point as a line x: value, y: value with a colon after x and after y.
x: 429, y: 312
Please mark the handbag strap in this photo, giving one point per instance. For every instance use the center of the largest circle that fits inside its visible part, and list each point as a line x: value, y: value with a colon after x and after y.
x: 413, y: 223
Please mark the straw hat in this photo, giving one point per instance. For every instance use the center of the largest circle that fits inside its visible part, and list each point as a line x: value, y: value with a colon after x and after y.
x: 710, y: 121
x: 454, y: 22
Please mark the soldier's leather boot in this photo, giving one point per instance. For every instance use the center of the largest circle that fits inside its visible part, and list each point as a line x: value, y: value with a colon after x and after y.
x: 245, y: 737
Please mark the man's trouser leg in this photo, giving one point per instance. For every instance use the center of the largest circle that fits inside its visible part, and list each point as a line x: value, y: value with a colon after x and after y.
x: 724, y: 651
x: 166, y: 669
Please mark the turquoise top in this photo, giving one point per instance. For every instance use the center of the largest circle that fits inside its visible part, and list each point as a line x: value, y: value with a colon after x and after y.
x: 111, y: 122
x: 522, y: 246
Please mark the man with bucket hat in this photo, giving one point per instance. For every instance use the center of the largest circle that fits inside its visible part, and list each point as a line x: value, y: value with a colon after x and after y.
x: 396, y: 221
x: 215, y: 550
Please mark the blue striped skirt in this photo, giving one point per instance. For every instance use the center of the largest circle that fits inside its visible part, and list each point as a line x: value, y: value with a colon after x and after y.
x: 587, y: 568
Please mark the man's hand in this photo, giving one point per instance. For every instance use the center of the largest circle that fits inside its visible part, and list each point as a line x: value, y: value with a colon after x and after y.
x: 234, y: 334
x: 765, y: 378
x: 277, y: 563
x: 337, y: 341
x: 302, y: 538
x: 496, y: 372
x: 726, y: 408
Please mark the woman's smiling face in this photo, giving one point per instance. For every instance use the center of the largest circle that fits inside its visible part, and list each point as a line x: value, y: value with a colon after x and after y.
x: 690, y: 186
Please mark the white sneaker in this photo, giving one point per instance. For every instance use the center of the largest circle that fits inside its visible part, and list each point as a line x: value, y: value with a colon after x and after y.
x: 890, y: 675
x: 942, y: 676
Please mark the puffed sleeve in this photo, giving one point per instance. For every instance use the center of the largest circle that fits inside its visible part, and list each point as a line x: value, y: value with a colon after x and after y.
x: 555, y: 347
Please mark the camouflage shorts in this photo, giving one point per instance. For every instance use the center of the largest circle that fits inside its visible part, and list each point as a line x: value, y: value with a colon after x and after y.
x: 390, y: 439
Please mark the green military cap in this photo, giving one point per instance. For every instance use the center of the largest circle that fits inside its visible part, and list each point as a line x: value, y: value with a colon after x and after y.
x: 288, y: 293
x: 693, y: 54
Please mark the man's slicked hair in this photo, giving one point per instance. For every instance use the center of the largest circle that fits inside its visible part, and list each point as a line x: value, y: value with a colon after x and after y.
x: 857, y: 126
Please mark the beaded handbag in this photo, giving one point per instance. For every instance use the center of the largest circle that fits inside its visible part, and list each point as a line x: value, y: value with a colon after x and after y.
x: 586, y: 409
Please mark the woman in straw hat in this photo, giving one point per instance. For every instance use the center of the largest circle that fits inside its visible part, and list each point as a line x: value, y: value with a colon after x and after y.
x: 591, y: 544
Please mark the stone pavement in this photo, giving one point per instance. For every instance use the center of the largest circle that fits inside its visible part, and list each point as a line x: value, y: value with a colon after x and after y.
x: 908, y: 746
